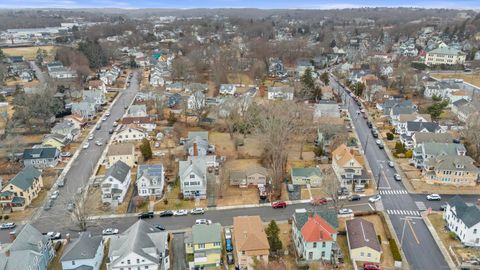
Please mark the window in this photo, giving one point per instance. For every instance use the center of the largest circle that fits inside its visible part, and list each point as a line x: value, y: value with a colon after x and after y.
x: 369, y: 255
x: 201, y: 245
x: 73, y: 262
x: 192, y: 176
x: 323, y: 254
x: 362, y: 254
x: 310, y: 255
x: 314, y: 245
x: 138, y: 260
x: 243, y: 252
x: 324, y: 244
x: 474, y: 231
x: 128, y: 261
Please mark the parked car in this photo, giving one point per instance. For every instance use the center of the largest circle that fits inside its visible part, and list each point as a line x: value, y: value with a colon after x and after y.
x: 279, y: 204
x: 48, y: 205
x: 434, y: 197
x: 381, y: 146
x: 228, y: 245
x: 355, y: 197
x: 197, y: 211
x: 66, y: 154
x: 145, y: 215
x: 345, y: 211
x: 91, y: 137
x: 342, y: 191
x: 318, y: 201
x: 55, y: 195
x: 110, y: 231
x: 203, y: 221
x: 397, y: 177
x: 167, y: 213
x: 115, y: 124
x: 228, y: 233
x: 98, y: 143
x: 371, y: 266
x: 159, y: 227
x: 359, y: 189
x: 8, y: 226
x: 98, y: 127
x: 110, y: 131
x: 104, y: 118
x: 391, y: 164
x: 375, y: 198
x: 107, y: 114
x: 180, y: 213
x: 61, y: 182
x: 54, y: 235
x: 70, y: 206
x: 378, y: 142
x: 230, y: 258
x: 369, y: 124
x: 86, y: 145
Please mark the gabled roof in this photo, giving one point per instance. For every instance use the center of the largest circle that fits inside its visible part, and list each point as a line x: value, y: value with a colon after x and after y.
x: 84, y: 247
x: 435, y: 149
x: 196, y: 166
x: 454, y: 163
x: 201, y: 134
x: 316, y: 229
x: 24, y: 179
x: 121, y: 149
x: 119, y: 171
x: 329, y: 215
x: 361, y: 233
x: 306, y: 172
x: 249, y: 234
x: 40, y: 153
x: 418, y: 126
x: 421, y: 137
x: 202, y: 233
x: 468, y: 213
x: 252, y: 169
x: 343, y: 154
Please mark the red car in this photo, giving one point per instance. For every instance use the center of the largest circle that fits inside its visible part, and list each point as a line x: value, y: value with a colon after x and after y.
x: 371, y: 266
x: 318, y: 201
x: 279, y: 204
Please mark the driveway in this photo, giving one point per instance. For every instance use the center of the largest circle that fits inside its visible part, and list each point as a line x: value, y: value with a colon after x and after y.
x: 178, y: 251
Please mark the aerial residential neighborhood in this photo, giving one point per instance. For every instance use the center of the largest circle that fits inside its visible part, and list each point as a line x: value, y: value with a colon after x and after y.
x: 228, y: 135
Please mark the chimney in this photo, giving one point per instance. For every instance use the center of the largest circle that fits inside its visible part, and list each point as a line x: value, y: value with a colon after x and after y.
x: 245, y: 234
x: 67, y: 237
x: 7, y: 253
x: 195, y: 149
x: 13, y: 236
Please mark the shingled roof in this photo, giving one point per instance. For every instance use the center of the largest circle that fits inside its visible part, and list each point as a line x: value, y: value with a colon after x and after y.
x: 468, y: 213
x: 361, y: 233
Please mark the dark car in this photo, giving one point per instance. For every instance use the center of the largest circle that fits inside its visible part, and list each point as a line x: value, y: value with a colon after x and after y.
x: 159, y: 227
x: 369, y: 124
x: 230, y: 259
x: 167, y: 213
x: 110, y: 131
x: 355, y: 198
x: 145, y: 215
x: 374, y: 134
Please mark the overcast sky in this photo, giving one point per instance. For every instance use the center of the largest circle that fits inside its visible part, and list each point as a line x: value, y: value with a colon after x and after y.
x: 264, y: 4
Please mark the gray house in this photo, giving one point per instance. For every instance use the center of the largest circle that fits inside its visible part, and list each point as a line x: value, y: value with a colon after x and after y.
x: 41, y: 157
x: 96, y: 97
x: 29, y: 250
x: 431, y: 150
x: 193, y: 178
x: 85, y: 110
x: 197, y: 143
x: 85, y: 252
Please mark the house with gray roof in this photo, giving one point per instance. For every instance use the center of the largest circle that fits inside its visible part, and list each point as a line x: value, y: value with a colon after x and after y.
x: 280, y: 93
x: 95, y: 96
x: 42, y: 157
x: 22, y: 189
x: 29, y: 250
x: 464, y: 109
x: 205, y: 243
x: 422, y: 137
x: 253, y: 175
x: 138, y: 110
x: 67, y: 129
x: 306, y: 176
x: 451, y: 170
x: 428, y: 150
x: 83, y: 109
x: 463, y: 219
x: 193, y: 178
x: 362, y: 240
x: 227, y: 89
x: 116, y: 183
x: 197, y: 144
x: 140, y: 247
x: 85, y: 252
x: 150, y: 180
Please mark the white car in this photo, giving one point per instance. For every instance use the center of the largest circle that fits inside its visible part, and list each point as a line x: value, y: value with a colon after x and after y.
x: 434, y: 197
x: 180, y: 212
x: 99, y: 143
x: 86, y: 145
x: 91, y: 137
x: 391, y: 164
x: 115, y: 124
x: 104, y: 119
x: 107, y: 114
x: 228, y: 233
x: 8, y: 226
x: 197, y: 211
x: 397, y: 177
x: 54, y: 235
x: 378, y: 142
x: 55, y: 195
x: 345, y: 211
x: 375, y: 198
x: 203, y: 221
x: 110, y: 231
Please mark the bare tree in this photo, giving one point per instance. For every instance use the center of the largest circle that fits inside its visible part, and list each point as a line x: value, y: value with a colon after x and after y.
x: 331, y: 186
x: 471, y: 133
x: 81, y: 213
x: 197, y: 106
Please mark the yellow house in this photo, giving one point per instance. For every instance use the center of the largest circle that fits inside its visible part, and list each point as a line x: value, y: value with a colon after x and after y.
x: 124, y: 152
x: 22, y: 189
x: 52, y: 141
x: 205, y: 243
x: 363, y: 241
x: 452, y: 170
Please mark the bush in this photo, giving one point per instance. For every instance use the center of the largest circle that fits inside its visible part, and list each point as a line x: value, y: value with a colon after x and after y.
x: 389, y: 136
x: 395, y: 252
x: 452, y: 235
x: 409, y: 154
x: 379, y: 238
x: 6, y: 217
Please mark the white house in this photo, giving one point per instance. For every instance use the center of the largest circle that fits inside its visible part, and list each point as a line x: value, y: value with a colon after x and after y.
x: 463, y: 219
x: 150, y: 180
x: 85, y: 252
x: 193, y: 178
x: 280, y: 93
x: 227, y: 89
x: 196, y: 101
x: 144, y: 122
x: 445, y: 56
x: 129, y: 134
x: 137, y: 110
x: 116, y: 182
x: 139, y: 247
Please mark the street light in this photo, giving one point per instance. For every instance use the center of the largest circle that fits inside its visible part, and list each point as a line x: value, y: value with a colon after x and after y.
x: 403, y: 229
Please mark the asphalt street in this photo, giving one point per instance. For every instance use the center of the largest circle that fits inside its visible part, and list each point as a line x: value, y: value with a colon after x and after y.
x: 402, y: 208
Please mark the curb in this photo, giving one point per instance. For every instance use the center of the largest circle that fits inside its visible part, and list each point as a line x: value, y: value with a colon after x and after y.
x: 437, y: 240
x: 405, y: 264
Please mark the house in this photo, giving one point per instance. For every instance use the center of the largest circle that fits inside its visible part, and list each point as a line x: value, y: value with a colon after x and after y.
x: 348, y: 165
x: 314, y: 234
x: 96, y: 97
x: 302, y: 66
x: 280, y: 93
x: 197, y: 143
x: 227, y: 89
x: 129, y: 134
x: 440, y: 89
x: 143, y: 122
x: 116, y: 183
x: 150, y: 180
x: 66, y: 128
x: 252, y: 175
x: 30, y: 250
x: 83, y: 109
x: 401, y: 108
x: 22, y: 189
x: 463, y: 219
x: 56, y: 70
x: 423, y: 137
x: 428, y: 150
x: 139, y: 247
x: 175, y: 87
x: 276, y: 68
x: 42, y: 157
x: 196, y: 101
x: 194, y: 87
x: 137, y: 110
x: 412, y: 128
x: 193, y: 178
x: 464, y: 109
x: 205, y: 243
x: 156, y: 79
x: 445, y: 56
x: 124, y: 152
x: 362, y: 241
x: 85, y: 252
x: 400, y: 123
x: 250, y: 241
x: 451, y: 170
x: 306, y: 176
x: 326, y: 108
x: 97, y: 85
x: 55, y: 140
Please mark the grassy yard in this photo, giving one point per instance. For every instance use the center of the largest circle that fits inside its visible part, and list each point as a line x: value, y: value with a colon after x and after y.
x: 472, y: 78
x: 29, y: 53
x: 343, y: 244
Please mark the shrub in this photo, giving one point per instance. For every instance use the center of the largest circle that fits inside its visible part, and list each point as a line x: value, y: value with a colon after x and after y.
x: 389, y: 136
x: 379, y: 238
x: 395, y: 252
x: 409, y: 154
x: 6, y: 217
x: 452, y: 235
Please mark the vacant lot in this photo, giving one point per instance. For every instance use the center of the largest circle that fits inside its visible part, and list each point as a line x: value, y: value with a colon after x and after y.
x: 224, y: 146
x: 472, y: 78
x: 29, y: 53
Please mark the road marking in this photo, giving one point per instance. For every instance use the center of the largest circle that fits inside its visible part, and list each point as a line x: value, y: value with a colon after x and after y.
x: 403, y: 212
x: 369, y: 204
x: 393, y: 192
x: 413, y: 231
x: 421, y: 206
x: 385, y: 177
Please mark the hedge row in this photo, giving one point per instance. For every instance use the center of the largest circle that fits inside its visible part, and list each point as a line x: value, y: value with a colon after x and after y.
x: 395, y: 252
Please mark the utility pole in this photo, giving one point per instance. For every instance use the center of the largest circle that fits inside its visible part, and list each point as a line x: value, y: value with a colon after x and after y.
x: 379, y: 176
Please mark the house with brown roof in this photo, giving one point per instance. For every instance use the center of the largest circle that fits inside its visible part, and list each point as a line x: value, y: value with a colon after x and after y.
x: 348, y: 164
x: 250, y: 241
x: 363, y: 241
x: 145, y: 122
x: 253, y: 175
x: 124, y: 152
x: 314, y: 237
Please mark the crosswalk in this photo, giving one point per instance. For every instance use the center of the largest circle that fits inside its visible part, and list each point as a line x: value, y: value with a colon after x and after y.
x: 393, y: 191
x: 403, y: 212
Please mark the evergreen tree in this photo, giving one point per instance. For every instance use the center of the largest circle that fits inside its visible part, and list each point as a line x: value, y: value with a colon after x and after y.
x: 272, y: 236
x: 146, y: 149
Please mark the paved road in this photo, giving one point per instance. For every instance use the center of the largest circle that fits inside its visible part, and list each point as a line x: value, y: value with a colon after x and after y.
x: 396, y: 201
x: 82, y: 168
x: 38, y: 72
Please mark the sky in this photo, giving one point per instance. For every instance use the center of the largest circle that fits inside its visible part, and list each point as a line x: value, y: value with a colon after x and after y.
x: 263, y: 4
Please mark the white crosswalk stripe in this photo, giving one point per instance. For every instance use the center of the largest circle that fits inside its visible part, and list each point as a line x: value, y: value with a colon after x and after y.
x: 399, y: 212
x: 393, y: 192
